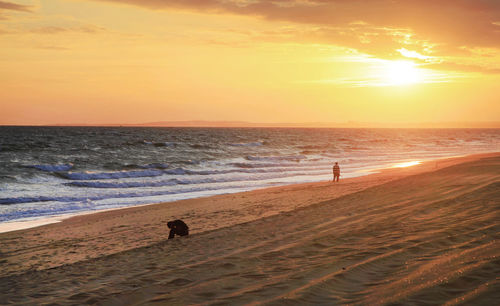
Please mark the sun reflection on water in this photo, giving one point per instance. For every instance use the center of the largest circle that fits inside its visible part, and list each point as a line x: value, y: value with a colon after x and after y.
x: 407, y: 164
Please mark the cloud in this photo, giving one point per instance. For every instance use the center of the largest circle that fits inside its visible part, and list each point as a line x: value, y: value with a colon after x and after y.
x: 451, y: 66
x: 88, y: 29
x: 455, y: 22
x: 378, y: 27
x: 412, y: 54
x: 14, y: 7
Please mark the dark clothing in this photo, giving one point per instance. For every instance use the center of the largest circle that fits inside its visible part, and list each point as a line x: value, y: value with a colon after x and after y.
x: 336, y: 169
x: 177, y: 227
x: 336, y: 172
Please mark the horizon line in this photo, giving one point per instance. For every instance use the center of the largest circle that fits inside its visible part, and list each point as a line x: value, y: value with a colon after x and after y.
x: 247, y: 124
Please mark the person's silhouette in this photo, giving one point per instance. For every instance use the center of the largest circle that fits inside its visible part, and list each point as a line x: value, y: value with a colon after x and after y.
x: 336, y: 172
x: 177, y: 227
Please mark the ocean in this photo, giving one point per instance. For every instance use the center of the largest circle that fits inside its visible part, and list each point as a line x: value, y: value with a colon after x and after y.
x: 51, y: 171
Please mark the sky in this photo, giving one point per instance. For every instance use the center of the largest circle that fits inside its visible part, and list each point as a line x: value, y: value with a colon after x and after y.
x: 278, y: 61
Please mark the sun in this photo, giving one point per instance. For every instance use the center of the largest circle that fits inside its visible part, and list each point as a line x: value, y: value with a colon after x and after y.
x: 401, y: 73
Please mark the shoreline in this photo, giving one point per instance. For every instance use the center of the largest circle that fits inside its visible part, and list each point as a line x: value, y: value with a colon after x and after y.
x: 139, y: 226
x: 404, y: 236
x: 22, y: 224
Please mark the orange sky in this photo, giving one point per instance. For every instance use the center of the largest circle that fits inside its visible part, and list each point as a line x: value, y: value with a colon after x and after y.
x: 132, y: 61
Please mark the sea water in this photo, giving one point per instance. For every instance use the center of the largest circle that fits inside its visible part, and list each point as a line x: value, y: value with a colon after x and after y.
x: 49, y: 171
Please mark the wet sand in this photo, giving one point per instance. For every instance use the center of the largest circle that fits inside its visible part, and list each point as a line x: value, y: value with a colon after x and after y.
x: 419, y: 235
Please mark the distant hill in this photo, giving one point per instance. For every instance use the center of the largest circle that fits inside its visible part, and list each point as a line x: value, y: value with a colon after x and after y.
x: 350, y: 124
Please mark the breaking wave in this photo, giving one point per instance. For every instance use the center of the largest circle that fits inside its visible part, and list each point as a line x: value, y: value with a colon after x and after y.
x: 276, y: 158
x: 108, y: 175
x: 52, y: 168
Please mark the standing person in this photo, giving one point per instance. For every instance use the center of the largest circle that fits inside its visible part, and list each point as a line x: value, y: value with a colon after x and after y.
x: 336, y: 172
x: 177, y: 227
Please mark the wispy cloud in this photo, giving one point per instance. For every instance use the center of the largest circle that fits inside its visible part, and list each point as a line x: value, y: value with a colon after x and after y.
x: 377, y: 82
x: 90, y: 29
x: 14, y: 7
x: 413, y: 54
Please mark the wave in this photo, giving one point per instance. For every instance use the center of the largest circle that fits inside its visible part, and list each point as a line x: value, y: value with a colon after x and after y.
x: 46, y: 211
x: 12, y: 147
x: 154, y: 166
x: 7, y: 178
x: 120, y: 195
x: 173, y: 182
x: 52, y: 168
x: 250, y: 165
x: 189, y: 162
x: 276, y: 158
x: 280, y: 165
x: 108, y: 175
x: 247, y: 144
x: 200, y: 146
x: 159, y: 143
x: 164, y: 144
x: 149, y: 193
x: 99, y: 184
x: 182, y: 171
x: 120, y: 166
x: 23, y: 146
x: 151, y: 172
x: 154, y: 172
x: 242, y: 170
x: 18, y: 200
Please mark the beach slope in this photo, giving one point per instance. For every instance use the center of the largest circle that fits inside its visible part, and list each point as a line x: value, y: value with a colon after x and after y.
x: 425, y: 238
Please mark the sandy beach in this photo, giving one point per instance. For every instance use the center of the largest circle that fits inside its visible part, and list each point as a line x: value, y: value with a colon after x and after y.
x: 426, y: 234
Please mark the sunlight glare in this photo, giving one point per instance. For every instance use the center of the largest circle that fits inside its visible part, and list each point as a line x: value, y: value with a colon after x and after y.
x: 407, y: 164
x: 402, y: 73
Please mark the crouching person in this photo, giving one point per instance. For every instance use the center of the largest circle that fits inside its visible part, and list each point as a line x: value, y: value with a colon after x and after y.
x: 177, y: 227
